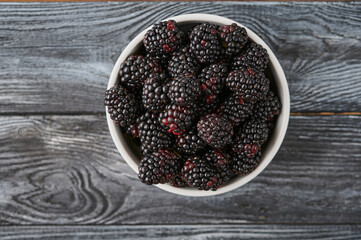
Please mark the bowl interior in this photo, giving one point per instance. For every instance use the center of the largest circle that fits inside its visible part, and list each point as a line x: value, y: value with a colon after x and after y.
x: 131, y: 152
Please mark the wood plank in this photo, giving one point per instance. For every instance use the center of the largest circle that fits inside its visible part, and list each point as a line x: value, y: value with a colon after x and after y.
x: 56, y: 57
x: 66, y: 170
x: 295, y: 232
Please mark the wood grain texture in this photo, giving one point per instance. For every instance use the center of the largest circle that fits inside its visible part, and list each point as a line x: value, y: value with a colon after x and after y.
x: 66, y: 170
x: 57, y: 57
x: 320, y: 232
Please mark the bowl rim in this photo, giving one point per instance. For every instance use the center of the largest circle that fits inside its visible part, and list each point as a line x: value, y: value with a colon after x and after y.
x: 277, y: 137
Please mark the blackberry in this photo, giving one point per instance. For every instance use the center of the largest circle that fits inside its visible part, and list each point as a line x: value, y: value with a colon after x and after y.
x: 184, y: 90
x: 250, y: 137
x: 182, y: 62
x: 178, y: 182
x: 144, y: 151
x: 233, y: 38
x: 204, y: 107
x: 204, y: 43
x: 122, y: 107
x: 215, y: 130
x: 163, y: 38
x: 159, y: 167
x: 152, y: 135
x: 154, y: 96
x: 221, y: 163
x: 135, y: 70
x: 249, y: 85
x: 255, y: 57
x: 267, y: 110
x: 132, y: 130
x: 176, y: 119
x: 243, y: 165
x: 212, y: 80
x: 161, y: 59
x: 199, y: 173
x: 190, y: 143
x: 235, y: 109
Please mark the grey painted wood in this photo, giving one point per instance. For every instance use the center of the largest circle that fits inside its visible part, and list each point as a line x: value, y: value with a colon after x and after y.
x: 66, y: 170
x: 57, y: 57
x: 320, y: 232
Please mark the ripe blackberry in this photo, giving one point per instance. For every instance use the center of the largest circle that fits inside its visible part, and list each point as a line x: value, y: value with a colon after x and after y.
x: 122, y: 106
x: 204, y: 107
x: 199, y: 173
x: 250, y: 137
x: 159, y: 167
x: 249, y: 85
x: 243, y: 165
x: 255, y: 57
x: 267, y: 110
x: 152, y: 135
x: 190, y: 143
x: 163, y: 38
x: 215, y: 130
x: 178, y: 182
x: 154, y: 96
x: 184, y: 90
x: 233, y: 38
x: 221, y: 163
x: 135, y: 70
x: 176, y: 119
x: 212, y: 80
x: 235, y: 109
x: 182, y: 62
x: 204, y: 43
x: 162, y: 59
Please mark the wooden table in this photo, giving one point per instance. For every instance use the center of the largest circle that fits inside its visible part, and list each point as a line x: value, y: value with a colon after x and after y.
x: 61, y: 176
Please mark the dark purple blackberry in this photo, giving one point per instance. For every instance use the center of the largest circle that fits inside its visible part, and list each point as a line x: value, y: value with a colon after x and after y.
x: 152, y: 135
x: 249, y: 85
x: 184, y: 90
x: 204, y: 107
x: 200, y: 174
x: 204, y: 43
x: 178, y: 182
x: 122, y: 107
x: 144, y: 151
x: 135, y: 70
x: 176, y: 119
x: 215, y: 130
x: 243, y: 165
x: 250, y: 137
x: 233, y: 38
x: 212, y: 80
x: 163, y: 38
x: 159, y: 167
x: 267, y: 110
x: 182, y: 62
x: 154, y: 96
x: 162, y: 59
x: 235, y: 109
x: 255, y: 57
x: 190, y: 143
x: 221, y: 163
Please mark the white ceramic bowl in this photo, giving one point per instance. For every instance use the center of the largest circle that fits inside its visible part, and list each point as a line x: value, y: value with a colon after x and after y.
x: 274, y: 143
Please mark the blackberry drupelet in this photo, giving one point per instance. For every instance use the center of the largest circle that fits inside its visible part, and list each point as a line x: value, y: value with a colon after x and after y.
x: 132, y: 130
x: 235, y: 109
x: 176, y: 119
x: 233, y: 38
x: 243, y: 165
x: 152, y: 135
x: 178, y: 182
x: 250, y: 137
x: 122, y: 107
x: 163, y: 38
x: 183, y: 62
x: 200, y: 174
x: 184, y: 90
x: 215, y: 130
x: 255, y: 57
x: 267, y: 110
x: 135, y: 70
x: 159, y: 167
x: 204, y: 43
x: 221, y: 163
x: 249, y: 85
x: 155, y: 90
x: 190, y: 143
x: 212, y: 80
